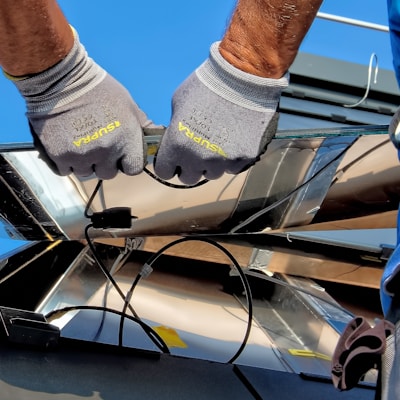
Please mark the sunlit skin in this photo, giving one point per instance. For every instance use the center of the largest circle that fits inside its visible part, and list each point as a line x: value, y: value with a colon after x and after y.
x: 262, y: 38
x: 34, y: 36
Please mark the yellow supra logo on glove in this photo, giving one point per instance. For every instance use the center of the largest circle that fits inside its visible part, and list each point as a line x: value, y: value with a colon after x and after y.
x: 98, y: 134
x: 201, y: 141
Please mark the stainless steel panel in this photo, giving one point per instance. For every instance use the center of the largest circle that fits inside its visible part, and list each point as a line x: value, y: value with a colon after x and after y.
x: 304, y: 177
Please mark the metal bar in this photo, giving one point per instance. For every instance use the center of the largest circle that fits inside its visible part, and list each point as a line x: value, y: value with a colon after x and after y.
x: 351, y: 21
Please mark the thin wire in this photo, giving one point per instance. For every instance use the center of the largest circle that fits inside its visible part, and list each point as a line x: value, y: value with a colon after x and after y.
x: 243, y: 278
x: 103, y: 267
x: 263, y: 211
x: 107, y: 287
x: 110, y: 277
x: 373, y: 56
x: 101, y: 264
x: 148, y: 329
x: 299, y: 289
x: 351, y: 21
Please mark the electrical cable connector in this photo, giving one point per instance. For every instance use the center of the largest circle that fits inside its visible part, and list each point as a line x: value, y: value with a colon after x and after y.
x: 116, y: 217
x: 146, y: 270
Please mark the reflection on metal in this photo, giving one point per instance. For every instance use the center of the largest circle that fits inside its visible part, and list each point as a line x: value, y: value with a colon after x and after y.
x: 306, y: 178
x: 316, y: 180
x: 207, y: 315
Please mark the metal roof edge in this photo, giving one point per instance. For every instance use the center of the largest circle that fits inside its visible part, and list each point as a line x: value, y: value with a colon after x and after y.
x: 343, y: 72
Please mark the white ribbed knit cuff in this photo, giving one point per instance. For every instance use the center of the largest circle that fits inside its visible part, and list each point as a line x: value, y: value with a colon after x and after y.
x: 239, y: 87
x: 63, y: 83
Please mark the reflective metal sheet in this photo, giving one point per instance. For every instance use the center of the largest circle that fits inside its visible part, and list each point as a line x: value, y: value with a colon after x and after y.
x: 303, y: 178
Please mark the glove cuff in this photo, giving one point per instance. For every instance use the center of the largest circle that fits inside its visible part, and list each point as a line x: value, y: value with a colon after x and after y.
x: 63, y: 83
x: 239, y: 87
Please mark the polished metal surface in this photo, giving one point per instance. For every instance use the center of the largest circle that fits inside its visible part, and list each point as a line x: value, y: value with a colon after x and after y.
x: 200, y: 315
x: 304, y: 177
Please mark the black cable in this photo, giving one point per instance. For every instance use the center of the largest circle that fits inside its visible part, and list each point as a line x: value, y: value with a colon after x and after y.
x: 94, y: 251
x: 111, y: 279
x: 103, y: 267
x: 148, y: 329
x: 101, y: 264
x: 103, y: 317
x: 243, y: 278
x: 152, y: 259
x: 93, y: 195
x: 127, y: 301
x: 173, y: 185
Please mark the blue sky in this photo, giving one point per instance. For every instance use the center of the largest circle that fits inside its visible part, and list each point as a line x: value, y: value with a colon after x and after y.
x: 152, y: 46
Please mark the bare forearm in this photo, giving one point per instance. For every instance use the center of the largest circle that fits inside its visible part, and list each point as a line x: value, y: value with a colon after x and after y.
x: 34, y: 36
x: 264, y: 35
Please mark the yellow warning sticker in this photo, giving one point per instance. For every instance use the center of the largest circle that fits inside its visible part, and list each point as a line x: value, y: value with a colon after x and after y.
x: 170, y: 337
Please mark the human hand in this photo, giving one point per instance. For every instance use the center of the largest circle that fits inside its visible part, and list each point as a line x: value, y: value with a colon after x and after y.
x: 222, y: 121
x: 83, y: 119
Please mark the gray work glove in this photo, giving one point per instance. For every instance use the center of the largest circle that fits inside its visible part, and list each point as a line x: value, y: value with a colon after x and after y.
x: 222, y: 121
x: 83, y: 119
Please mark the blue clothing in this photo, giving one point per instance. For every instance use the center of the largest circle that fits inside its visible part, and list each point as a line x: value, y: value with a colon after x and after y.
x: 391, y: 273
x: 394, y: 26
